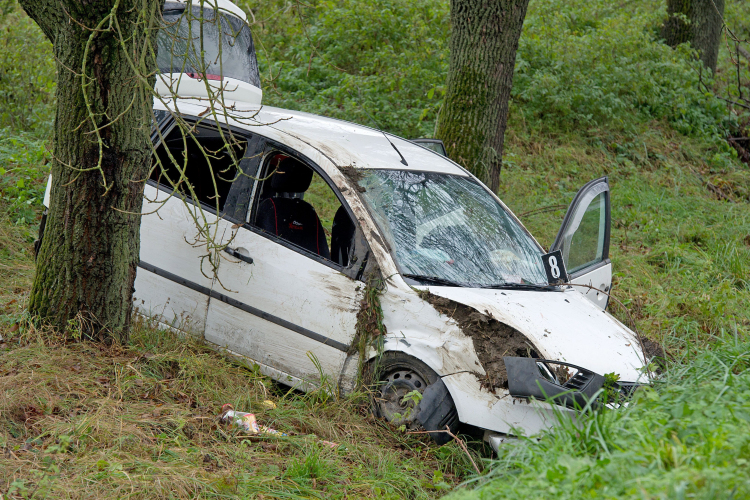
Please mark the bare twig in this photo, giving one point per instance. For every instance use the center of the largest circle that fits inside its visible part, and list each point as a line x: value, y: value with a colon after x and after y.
x: 458, y: 440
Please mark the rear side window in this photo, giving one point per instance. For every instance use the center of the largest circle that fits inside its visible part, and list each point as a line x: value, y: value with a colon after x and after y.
x: 207, y: 166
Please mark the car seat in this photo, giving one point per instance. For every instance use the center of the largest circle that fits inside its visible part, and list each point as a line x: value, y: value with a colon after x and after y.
x: 290, y: 218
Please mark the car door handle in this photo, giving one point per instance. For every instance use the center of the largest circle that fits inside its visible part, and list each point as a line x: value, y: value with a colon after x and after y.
x: 234, y: 252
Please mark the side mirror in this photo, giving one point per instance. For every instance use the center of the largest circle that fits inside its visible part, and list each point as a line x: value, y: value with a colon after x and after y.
x: 435, y: 145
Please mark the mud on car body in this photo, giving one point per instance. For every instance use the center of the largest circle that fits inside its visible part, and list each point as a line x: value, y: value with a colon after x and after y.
x: 320, y: 212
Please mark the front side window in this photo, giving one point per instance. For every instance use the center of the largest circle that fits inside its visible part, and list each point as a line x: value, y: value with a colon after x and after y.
x: 449, y: 227
x: 203, y: 44
x: 297, y: 205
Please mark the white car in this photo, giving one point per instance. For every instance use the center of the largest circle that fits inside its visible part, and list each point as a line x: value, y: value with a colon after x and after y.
x: 321, y: 213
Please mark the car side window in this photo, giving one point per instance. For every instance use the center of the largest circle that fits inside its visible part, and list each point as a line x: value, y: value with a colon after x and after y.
x: 214, y: 167
x: 296, y: 204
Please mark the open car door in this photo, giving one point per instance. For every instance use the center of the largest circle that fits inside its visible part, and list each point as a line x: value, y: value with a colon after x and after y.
x: 584, y: 241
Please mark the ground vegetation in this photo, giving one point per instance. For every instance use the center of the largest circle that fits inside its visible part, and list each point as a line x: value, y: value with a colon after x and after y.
x: 596, y: 92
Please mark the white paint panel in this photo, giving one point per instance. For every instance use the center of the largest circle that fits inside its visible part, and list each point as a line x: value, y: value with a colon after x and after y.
x: 228, y: 89
x: 564, y: 326
x: 499, y: 411
x: 344, y: 143
x: 169, y: 241
x: 269, y: 344
x: 600, y: 278
x: 293, y: 287
x: 173, y: 305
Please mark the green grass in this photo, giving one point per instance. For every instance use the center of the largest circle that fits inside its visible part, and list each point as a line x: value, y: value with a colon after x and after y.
x: 680, y: 224
x: 141, y: 420
x: 687, y: 437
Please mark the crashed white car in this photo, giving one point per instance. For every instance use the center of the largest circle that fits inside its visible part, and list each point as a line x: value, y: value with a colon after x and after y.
x: 319, y: 213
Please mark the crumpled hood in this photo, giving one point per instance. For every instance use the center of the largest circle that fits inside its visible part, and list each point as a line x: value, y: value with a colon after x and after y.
x: 564, y: 326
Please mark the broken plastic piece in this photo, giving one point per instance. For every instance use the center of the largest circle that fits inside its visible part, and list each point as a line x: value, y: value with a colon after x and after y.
x: 530, y: 377
x: 436, y: 411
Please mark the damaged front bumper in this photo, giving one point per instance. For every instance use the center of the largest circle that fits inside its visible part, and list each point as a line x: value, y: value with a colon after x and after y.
x: 560, y: 383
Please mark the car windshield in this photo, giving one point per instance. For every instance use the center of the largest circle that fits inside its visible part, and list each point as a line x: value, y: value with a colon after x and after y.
x: 225, y: 41
x: 449, y: 228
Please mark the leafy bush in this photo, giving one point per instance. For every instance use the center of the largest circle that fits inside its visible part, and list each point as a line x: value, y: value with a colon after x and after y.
x: 27, y: 74
x: 595, y: 63
x: 579, y: 64
x: 23, y: 176
x: 688, y: 437
x: 380, y: 63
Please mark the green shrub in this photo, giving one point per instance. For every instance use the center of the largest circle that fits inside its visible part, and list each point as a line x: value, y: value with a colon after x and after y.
x: 595, y: 63
x: 381, y: 63
x: 580, y: 64
x: 27, y: 74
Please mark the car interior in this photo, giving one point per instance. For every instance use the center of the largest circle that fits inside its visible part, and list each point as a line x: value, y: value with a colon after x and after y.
x: 207, y: 156
x: 296, y: 204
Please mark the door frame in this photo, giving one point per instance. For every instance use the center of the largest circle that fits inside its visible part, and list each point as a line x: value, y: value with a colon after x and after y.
x: 572, y: 209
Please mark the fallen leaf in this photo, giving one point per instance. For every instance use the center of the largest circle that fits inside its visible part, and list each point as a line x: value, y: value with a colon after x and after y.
x: 15, y: 327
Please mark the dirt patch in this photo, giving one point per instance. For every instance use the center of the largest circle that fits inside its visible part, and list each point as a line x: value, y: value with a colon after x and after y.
x: 492, y: 339
x: 354, y: 175
x: 656, y: 354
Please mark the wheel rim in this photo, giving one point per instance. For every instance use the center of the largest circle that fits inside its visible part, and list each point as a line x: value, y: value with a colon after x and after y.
x: 395, y: 386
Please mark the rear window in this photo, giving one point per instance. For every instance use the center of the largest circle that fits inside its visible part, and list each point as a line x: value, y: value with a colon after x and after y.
x: 225, y: 40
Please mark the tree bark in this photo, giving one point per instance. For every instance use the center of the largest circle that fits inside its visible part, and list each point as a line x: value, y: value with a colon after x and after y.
x: 696, y: 21
x: 483, y: 45
x: 88, y: 259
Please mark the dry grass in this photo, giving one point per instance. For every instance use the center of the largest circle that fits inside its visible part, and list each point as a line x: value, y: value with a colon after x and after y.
x: 79, y: 420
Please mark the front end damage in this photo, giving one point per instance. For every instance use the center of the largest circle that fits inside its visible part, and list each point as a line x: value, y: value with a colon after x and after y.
x: 496, y: 364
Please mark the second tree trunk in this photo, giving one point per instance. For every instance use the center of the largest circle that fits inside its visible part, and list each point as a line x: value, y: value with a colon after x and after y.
x: 484, y: 41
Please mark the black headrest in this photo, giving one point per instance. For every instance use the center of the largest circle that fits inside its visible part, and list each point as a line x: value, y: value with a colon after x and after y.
x: 292, y: 176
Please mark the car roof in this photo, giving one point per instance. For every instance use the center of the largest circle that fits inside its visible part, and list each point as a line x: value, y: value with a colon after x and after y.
x: 342, y: 142
x: 222, y: 5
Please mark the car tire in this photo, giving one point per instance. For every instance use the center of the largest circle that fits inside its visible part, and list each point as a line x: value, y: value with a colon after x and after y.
x: 397, y: 374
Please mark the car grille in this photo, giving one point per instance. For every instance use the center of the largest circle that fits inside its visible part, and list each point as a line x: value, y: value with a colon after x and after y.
x: 580, y: 380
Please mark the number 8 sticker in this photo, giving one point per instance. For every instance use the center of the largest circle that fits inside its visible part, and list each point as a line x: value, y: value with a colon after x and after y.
x: 555, y: 268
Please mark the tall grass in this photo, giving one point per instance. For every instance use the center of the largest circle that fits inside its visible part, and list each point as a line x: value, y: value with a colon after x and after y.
x: 688, y: 436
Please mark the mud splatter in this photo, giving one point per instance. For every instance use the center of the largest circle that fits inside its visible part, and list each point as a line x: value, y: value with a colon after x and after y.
x: 492, y: 339
x: 369, y: 324
x: 354, y: 175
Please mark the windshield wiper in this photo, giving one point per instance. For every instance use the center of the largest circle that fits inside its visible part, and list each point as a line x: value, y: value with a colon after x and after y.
x: 433, y: 280
x: 523, y: 286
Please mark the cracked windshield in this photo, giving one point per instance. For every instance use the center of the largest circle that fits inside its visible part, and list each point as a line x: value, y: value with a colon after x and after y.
x: 448, y: 227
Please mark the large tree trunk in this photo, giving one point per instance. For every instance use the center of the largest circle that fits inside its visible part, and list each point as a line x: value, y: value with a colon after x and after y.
x: 698, y: 22
x: 88, y: 259
x: 484, y: 40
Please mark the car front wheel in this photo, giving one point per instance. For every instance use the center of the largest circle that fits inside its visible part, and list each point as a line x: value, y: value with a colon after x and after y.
x: 408, y: 392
